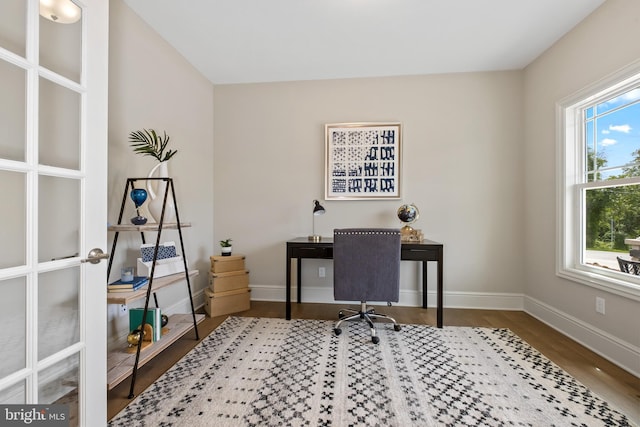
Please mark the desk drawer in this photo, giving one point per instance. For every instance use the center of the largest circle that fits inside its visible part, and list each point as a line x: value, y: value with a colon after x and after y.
x: 419, y: 254
x: 312, y: 252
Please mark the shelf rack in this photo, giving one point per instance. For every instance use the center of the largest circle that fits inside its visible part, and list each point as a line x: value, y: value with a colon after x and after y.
x: 127, y: 364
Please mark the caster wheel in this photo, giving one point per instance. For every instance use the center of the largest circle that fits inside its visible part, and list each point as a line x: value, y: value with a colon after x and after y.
x: 337, y: 331
x: 375, y: 340
x: 396, y: 328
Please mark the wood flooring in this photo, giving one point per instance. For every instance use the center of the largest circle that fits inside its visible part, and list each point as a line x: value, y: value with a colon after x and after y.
x: 613, y: 384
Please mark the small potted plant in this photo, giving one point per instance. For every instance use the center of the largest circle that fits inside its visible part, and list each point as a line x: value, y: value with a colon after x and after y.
x: 225, y: 247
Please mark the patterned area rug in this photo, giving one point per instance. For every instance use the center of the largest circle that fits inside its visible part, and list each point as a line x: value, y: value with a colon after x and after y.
x: 274, y: 372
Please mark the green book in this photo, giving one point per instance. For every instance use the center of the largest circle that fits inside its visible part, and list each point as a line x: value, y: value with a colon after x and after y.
x: 153, y: 318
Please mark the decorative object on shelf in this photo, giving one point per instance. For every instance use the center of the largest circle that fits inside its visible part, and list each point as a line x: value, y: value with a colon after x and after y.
x: 157, y: 195
x: 153, y: 319
x: 139, y: 196
x: 165, y: 250
x: 148, y: 143
x: 126, y: 275
x: 225, y: 247
x: 164, y: 320
x: 133, y: 285
x: 134, y: 338
x: 363, y: 161
x: 318, y: 209
x: 409, y: 214
x: 163, y: 267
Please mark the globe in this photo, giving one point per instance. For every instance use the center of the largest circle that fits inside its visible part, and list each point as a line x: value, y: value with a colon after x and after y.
x: 408, y: 213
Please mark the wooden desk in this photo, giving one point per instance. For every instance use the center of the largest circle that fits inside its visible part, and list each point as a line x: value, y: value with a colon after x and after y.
x: 426, y: 251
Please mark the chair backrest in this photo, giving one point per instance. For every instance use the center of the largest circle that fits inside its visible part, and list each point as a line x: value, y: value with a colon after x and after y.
x: 628, y: 266
x: 366, y: 264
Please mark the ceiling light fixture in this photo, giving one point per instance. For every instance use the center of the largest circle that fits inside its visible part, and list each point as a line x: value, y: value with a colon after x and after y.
x: 60, y: 11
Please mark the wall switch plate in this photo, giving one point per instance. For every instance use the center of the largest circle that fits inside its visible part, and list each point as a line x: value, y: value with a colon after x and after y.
x: 322, y: 272
x: 600, y: 305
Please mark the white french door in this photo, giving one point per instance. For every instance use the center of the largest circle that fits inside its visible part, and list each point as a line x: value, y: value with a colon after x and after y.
x: 53, y: 182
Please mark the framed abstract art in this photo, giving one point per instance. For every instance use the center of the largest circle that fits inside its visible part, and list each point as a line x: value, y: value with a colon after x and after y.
x: 363, y: 161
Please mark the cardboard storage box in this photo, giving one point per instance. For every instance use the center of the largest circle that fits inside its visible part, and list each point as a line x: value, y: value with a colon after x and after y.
x: 164, y: 267
x: 224, y: 264
x: 220, y: 303
x: 222, y: 282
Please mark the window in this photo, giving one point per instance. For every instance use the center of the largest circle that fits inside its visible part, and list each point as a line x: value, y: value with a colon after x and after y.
x: 599, y: 182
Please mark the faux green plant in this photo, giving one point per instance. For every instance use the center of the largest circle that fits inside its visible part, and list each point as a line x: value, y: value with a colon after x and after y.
x: 149, y: 143
x: 225, y: 243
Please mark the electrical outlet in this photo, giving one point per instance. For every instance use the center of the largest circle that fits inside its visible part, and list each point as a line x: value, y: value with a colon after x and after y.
x: 123, y: 309
x: 600, y: 305
x: 322, y: 272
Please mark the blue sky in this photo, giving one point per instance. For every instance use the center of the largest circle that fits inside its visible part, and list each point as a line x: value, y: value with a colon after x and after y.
x: 618, y: 133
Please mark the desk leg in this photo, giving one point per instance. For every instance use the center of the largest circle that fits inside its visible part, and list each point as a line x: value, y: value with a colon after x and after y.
x: 299, y: 281
x: 424, y: 284
x: 288, y: 289
x: 439, y: 313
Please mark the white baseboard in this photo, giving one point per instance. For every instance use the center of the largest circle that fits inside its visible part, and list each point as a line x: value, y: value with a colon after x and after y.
x: 621, y: 353
x: 488, y: 301
x: 483, y: 301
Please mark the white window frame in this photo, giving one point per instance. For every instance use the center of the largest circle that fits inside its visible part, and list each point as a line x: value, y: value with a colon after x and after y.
x: 571, y: 184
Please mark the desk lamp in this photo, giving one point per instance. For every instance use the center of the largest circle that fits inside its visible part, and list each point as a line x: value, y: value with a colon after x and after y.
x: 318, y: 209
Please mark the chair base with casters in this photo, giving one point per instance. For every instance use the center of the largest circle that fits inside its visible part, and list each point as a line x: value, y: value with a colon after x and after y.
x: 368, y: 315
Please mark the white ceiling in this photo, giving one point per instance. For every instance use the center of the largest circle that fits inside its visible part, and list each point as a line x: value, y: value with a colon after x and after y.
x: 243, y: 41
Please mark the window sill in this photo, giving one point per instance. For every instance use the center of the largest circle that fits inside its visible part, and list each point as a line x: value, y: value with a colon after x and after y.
x: 604, y: 282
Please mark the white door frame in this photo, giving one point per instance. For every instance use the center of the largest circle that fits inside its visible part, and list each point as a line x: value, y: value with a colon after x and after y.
x: 93, y: 408
x: 92, y: 175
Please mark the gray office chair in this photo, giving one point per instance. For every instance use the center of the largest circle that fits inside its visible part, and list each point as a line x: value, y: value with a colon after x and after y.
x: 366, y: 267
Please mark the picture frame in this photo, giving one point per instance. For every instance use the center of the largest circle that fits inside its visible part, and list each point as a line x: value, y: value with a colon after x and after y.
x: 363, y: 161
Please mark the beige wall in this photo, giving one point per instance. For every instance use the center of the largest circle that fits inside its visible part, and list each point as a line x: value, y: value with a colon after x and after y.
x: 462, y: 166
x: 602, y: 44
x: 152, y: 86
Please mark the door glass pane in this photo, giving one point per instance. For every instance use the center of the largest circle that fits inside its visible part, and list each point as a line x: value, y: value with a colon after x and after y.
x: 13, y: 321
x: 59, y: 127
x: 58, y: 218
x: 59, y: 384
x: 61, y: 40
x: 13, y: 220
x: 14, y: 394
x: 58, y: 322
x: 12, y: 111
x: 13, y: 24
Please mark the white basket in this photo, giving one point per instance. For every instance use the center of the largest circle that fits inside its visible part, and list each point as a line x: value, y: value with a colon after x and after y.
x: 164, y: 267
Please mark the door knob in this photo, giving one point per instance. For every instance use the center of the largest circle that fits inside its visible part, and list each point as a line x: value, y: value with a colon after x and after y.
x: 95, y: 256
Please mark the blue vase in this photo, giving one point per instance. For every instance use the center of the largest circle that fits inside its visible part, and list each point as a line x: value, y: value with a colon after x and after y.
x: 139, y: 196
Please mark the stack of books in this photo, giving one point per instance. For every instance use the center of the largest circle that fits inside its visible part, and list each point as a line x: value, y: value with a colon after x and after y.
x: 135, y: 284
